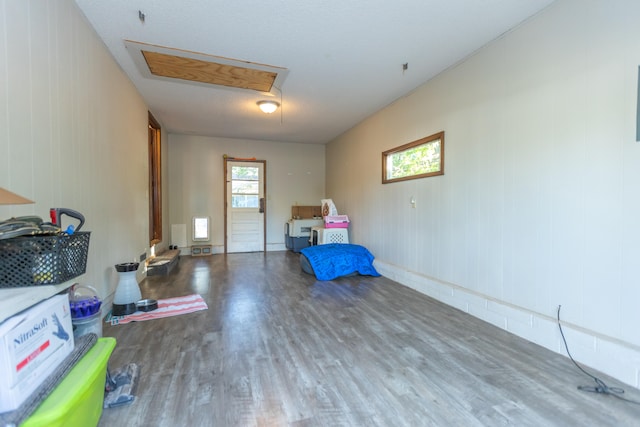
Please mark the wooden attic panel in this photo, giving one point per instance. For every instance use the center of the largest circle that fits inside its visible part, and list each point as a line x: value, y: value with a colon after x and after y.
x: 180, y: 67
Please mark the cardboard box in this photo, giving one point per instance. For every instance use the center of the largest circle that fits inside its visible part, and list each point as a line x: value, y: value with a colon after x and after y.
x: 33, y: 343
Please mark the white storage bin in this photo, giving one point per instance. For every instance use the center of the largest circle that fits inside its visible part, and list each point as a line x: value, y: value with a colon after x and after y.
x: 323, y: 236
x: 302, y: 227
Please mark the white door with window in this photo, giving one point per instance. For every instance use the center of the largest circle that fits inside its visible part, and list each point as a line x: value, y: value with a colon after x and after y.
x: 245, y: 206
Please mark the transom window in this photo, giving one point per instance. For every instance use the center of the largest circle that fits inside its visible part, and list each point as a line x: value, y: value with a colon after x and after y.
x: 417, y: 159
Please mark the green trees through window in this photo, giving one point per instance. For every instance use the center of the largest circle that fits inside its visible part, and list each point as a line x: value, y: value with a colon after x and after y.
x: 417, y: 159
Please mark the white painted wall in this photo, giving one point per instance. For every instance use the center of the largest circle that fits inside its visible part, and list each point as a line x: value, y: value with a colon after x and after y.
x: 295, y: 174
x: 540, y: 202
x: 538, y: 206
x: 73, y: 132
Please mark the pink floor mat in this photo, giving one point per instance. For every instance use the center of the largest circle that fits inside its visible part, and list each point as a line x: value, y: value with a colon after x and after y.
x: 166, y: 308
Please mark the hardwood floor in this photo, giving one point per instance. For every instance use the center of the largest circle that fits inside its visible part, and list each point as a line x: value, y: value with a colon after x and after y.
x: 278, y: 348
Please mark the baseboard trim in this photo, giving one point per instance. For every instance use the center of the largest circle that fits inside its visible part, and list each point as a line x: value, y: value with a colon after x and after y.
x: 609, y: 355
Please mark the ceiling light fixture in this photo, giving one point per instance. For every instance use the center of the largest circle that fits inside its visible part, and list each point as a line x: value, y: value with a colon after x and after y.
x: 268, y: 107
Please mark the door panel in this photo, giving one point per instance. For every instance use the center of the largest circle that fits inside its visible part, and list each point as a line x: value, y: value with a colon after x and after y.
x: 245, y: 207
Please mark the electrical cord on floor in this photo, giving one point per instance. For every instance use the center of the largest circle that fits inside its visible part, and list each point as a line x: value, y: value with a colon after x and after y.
x: 600, y: 386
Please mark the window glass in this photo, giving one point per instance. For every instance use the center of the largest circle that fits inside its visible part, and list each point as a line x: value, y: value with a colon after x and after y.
x: 201, y: 228
x: 418, y: 159
x: 245, y: 187
x: 244, y: 201
x: 249, y: 173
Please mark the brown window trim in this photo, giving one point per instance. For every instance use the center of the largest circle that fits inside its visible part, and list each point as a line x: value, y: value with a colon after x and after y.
x: 424, y: 141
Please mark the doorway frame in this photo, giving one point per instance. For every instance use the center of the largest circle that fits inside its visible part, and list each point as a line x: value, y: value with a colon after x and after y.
x: 155, y: 180
x: 226, y: 159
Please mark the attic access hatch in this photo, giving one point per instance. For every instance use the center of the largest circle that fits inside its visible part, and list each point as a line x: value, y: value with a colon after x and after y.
x: 197, y: 68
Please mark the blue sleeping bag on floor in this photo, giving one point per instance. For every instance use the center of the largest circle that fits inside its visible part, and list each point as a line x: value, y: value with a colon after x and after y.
x: 338, y: 259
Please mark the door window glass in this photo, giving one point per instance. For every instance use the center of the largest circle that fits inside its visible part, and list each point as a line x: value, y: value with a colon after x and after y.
x: 245, y: 188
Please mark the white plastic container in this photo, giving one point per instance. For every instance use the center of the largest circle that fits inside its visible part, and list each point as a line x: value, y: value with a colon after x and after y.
x: 87, y: 325
x: 128, y: 291
x: 85, y: 310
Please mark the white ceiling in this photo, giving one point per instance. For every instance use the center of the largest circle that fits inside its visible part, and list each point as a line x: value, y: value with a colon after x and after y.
x: 344, y: 58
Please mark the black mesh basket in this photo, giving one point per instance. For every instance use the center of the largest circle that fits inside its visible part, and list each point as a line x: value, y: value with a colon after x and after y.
x: 42, y: 260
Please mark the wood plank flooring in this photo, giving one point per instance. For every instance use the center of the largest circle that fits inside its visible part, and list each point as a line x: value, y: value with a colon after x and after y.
x: 278, y: 348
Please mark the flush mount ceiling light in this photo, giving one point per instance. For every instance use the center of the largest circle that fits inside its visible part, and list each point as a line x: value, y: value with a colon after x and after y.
x: 268, y: 107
